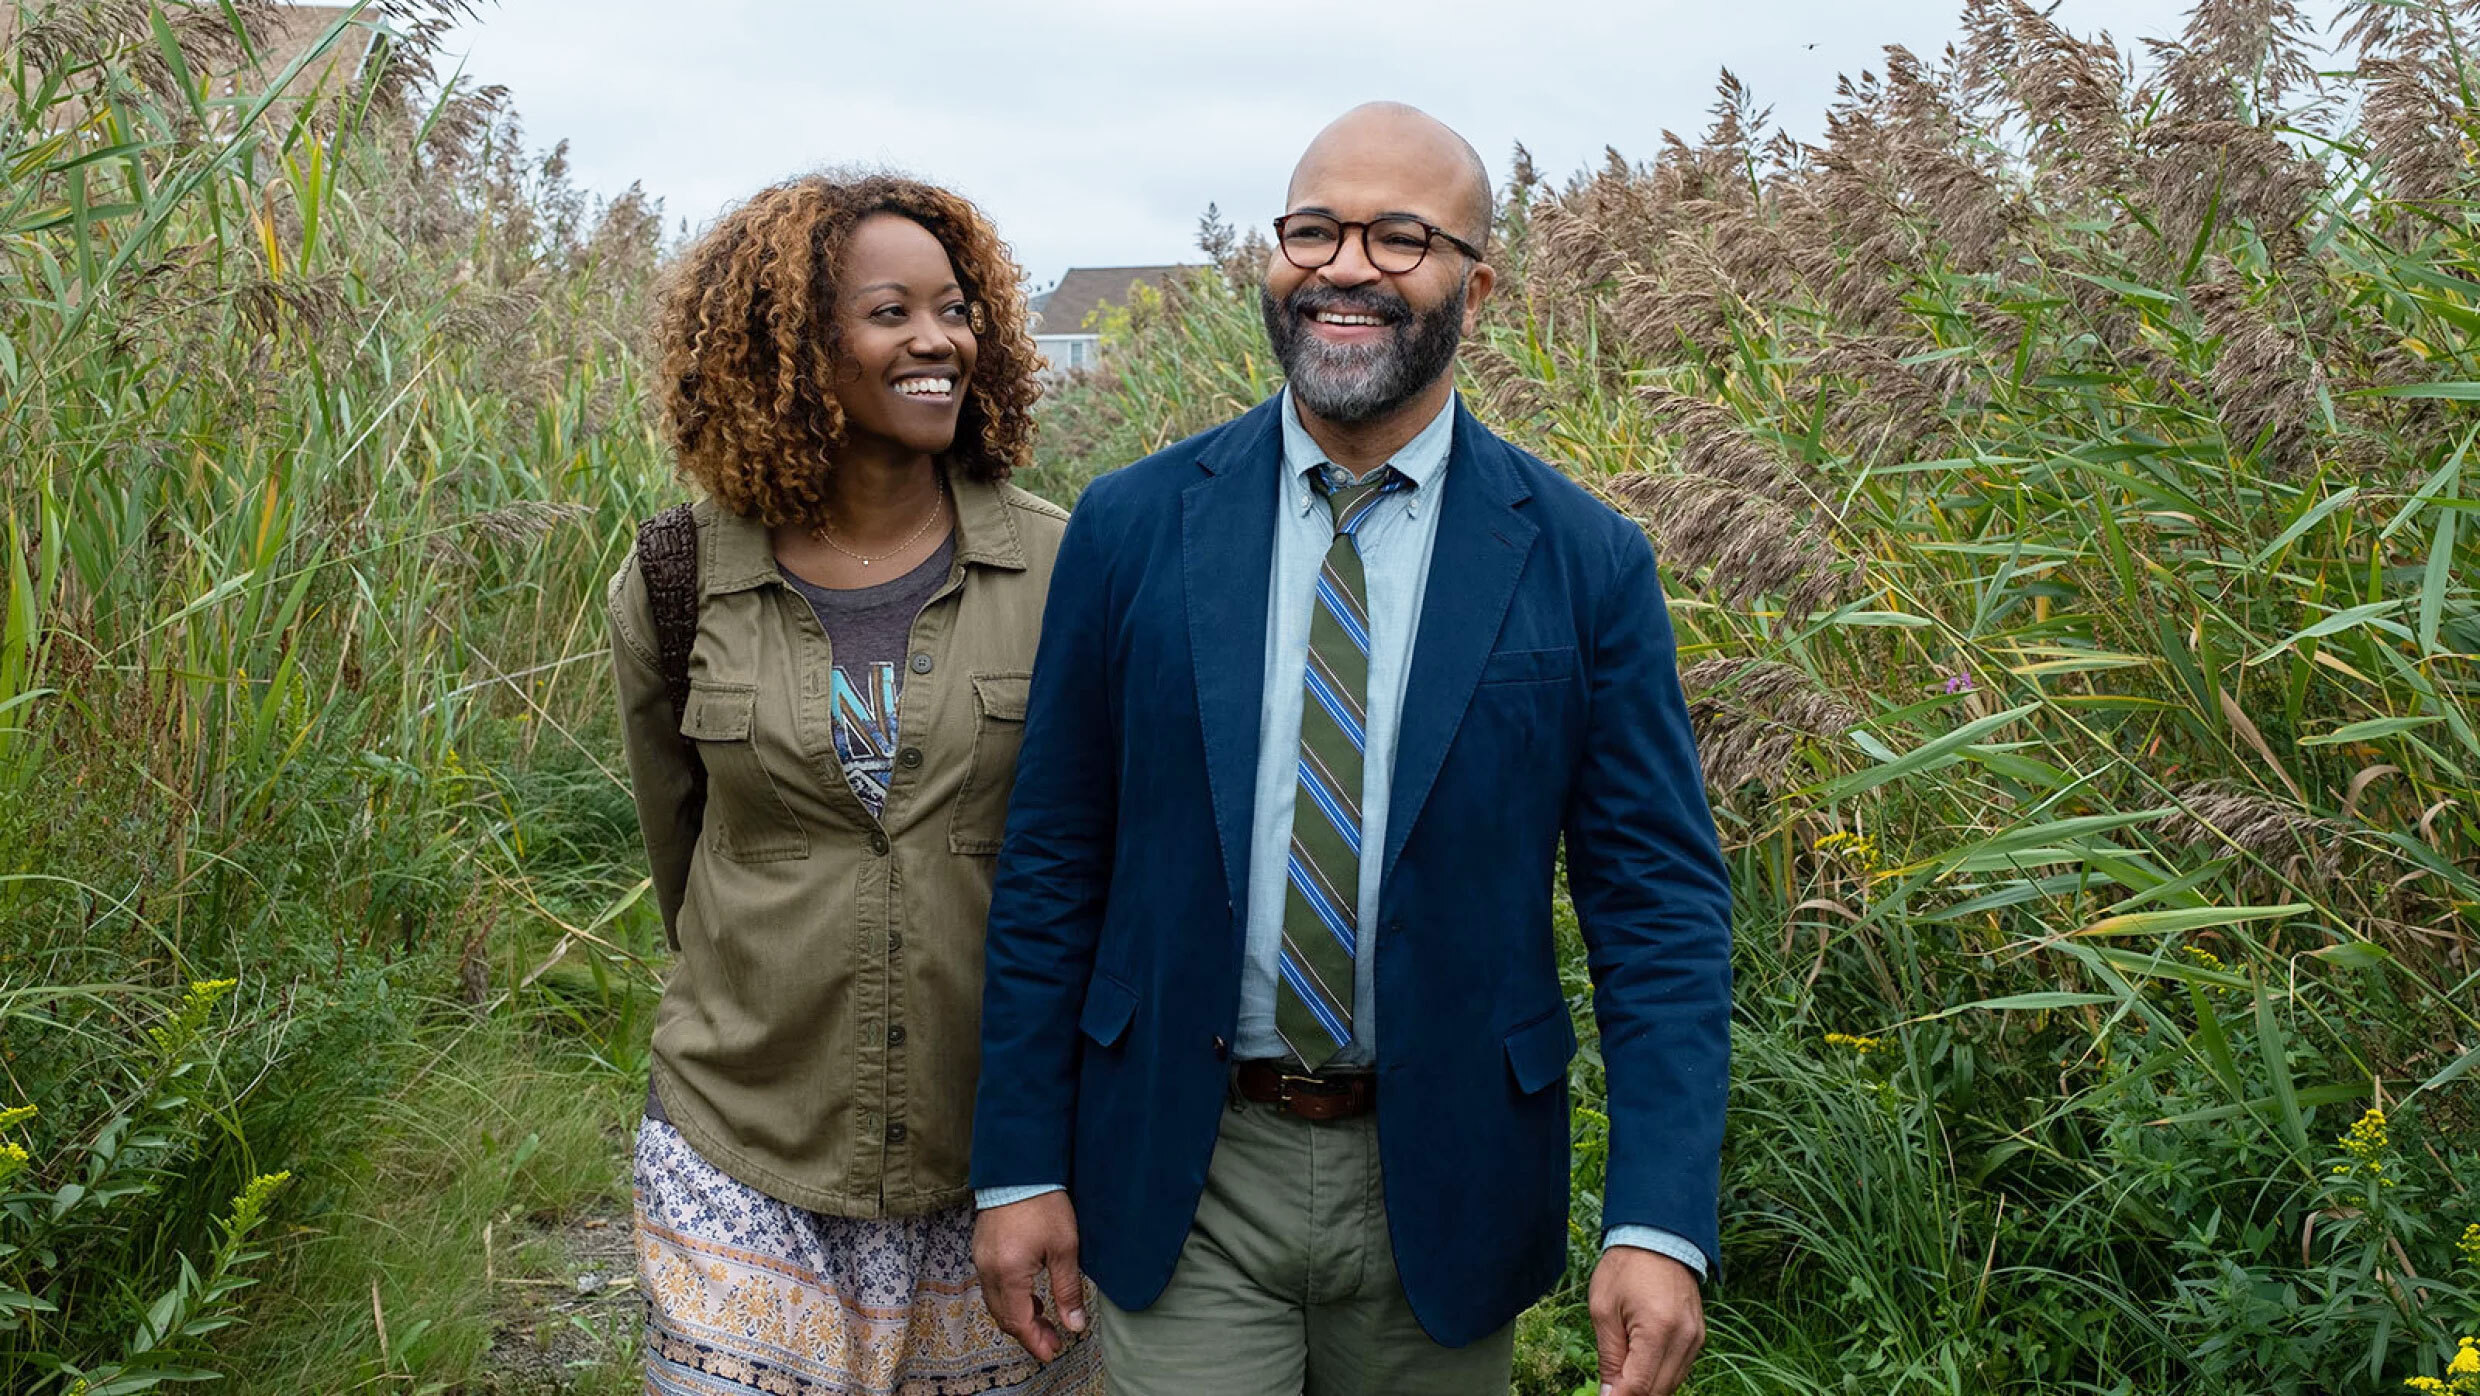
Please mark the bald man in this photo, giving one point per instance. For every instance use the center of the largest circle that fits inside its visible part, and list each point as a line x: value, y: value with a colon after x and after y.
x: 1274, y: 1042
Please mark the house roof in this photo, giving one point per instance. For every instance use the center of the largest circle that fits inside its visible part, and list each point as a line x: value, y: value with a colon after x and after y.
x: 1085, y: 289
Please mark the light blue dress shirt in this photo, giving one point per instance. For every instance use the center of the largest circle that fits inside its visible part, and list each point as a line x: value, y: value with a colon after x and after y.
x: 1396, y: 540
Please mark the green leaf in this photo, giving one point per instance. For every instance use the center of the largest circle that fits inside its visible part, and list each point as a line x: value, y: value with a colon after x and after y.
x: 2310, y: 1098
x: 2369, y: 730
x: 2452, y: 392
x: 2021, y: 1003
x: 2302, y: 524
x: 1923, y: 755
x: 2455, y: 1071
x: 2193, y: 918
x: 2371, y: 613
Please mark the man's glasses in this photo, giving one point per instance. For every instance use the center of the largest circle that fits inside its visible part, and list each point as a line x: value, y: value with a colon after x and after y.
x: 1392, y: 245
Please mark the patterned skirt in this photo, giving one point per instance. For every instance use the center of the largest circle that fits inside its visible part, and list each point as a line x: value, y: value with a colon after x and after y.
x: 747, y: 1294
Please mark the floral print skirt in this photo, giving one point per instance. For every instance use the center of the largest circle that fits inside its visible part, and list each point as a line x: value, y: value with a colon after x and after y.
x: 748, y: 1294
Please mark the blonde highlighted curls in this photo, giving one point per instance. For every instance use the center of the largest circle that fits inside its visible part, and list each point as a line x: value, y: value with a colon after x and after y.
x: 750, y: 346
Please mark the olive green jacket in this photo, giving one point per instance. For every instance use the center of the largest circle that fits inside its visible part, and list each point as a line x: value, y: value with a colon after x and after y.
x: 819, y: 1033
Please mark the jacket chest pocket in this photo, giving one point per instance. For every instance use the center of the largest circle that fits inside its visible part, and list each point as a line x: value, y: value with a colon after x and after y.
x: 980, y: 819
x: 747, y: 820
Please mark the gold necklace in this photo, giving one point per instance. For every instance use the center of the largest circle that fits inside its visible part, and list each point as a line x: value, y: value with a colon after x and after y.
x: 937, y: 510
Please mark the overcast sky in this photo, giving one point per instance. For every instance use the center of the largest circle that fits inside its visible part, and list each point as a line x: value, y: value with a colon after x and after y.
x: 1095, y: 131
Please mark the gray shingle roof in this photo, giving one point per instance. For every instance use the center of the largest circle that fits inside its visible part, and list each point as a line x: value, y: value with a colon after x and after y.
x: 1084, y: 289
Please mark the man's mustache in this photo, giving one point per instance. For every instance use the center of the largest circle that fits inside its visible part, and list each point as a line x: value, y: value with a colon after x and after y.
x: 1309, y: 300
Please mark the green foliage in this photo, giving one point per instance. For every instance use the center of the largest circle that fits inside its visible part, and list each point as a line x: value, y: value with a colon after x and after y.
x: 2060, y: 486
x: 319, y: 433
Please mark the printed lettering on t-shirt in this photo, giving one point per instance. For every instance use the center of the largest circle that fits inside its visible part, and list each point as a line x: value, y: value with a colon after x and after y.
x: 865, y: 731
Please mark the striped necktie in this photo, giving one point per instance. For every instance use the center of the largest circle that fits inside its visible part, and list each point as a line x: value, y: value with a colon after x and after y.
x: 1321, y: 909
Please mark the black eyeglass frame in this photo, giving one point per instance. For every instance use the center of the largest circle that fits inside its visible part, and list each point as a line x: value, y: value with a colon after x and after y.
x: 1343, y: 229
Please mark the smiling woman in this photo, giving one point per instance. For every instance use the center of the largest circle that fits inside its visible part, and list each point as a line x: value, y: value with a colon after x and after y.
x: 821, y: 731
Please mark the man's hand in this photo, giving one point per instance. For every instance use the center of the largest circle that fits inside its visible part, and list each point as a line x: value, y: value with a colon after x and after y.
x: 1648, y: 1321
x: 1012, y: 1247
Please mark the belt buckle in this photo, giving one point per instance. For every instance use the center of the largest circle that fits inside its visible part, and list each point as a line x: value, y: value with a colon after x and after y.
x: 1284, y: 1081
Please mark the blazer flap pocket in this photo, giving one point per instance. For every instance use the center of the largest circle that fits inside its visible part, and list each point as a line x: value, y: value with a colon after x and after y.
x: 1002, y: 695
x: 1538, y: 1052
x: 1109, y: 1005
x: 718, y: 712
x: 1528, y: 666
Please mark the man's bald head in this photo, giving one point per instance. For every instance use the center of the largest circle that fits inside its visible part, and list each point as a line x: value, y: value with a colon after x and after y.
x: 1408, y: 142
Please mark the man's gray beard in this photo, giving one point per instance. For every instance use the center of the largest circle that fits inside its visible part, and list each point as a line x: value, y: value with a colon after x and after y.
x: 1355, y: 383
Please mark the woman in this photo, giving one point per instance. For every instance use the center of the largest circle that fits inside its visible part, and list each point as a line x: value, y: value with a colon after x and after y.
x: 850, y: 381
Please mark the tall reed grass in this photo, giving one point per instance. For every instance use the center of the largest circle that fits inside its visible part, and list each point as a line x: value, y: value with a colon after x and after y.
x: 320, y: 431
x: 2059, y: 472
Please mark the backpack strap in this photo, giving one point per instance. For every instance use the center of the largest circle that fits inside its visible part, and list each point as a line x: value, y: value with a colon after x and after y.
x: 667, y: 556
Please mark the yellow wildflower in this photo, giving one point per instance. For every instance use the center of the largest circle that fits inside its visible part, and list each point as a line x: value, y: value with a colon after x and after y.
x: 2364, y: 1149
x: 2462, y: 1373
x: 1858, y: 850
x: 2470, y: 1245
x: 174, y: 1036
x: 13, y: 1161
x: 15, y: 1115
x: 1861, y: 1045
x: 2206, y: 958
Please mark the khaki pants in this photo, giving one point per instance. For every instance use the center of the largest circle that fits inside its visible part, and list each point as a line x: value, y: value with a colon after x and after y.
x: 1287, y: 1284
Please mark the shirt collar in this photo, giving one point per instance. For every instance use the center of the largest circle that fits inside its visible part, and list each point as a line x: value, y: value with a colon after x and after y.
x: 1422, y: 460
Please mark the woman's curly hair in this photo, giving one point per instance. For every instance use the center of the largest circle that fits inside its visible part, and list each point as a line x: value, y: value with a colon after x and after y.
x: 750, y: 347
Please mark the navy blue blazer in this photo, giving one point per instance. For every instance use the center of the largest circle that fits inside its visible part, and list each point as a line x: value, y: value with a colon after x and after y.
x: 1543, y: 701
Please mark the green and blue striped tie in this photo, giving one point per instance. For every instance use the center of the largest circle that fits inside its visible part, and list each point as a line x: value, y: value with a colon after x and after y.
x: 1321, y: 909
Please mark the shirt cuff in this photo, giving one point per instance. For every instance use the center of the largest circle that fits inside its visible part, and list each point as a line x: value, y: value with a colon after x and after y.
x: 985, y: 1199
x: 1643, y: 1238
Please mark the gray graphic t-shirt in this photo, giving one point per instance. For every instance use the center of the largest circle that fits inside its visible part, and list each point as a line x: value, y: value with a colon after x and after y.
x: 869, y: 628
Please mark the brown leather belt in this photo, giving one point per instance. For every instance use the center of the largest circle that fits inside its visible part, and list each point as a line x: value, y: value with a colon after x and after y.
x: 1338, y: 1097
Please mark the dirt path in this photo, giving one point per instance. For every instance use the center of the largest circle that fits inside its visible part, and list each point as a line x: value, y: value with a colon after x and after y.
x: 567, y: 1307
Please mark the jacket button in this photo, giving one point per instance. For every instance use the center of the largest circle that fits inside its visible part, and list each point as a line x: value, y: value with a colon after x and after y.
x: 922, y: 662
x: 895, y: 1134
x: 895, y: 1035
x: 909, y: 758
x: 895, y: 940
x: 1222, y: 1050
x: 878, y: 843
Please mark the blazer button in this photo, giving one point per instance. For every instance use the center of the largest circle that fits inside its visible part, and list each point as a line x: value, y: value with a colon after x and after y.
x: 878, y: 843
x: 1222, y: 1049
x: 909, y: 758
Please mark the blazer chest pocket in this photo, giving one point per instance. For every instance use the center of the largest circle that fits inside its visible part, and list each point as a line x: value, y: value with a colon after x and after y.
x: 747, y: 820
x: 980, y: 818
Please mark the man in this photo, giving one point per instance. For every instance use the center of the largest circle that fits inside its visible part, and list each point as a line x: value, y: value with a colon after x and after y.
x: 1272, y: 989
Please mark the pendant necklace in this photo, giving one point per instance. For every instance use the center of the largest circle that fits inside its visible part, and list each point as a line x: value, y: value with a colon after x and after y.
x: 937, y: 509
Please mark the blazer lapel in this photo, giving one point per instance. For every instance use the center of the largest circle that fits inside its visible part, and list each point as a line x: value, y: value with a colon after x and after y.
x: 1227, y: 556
x: 1483, y: 540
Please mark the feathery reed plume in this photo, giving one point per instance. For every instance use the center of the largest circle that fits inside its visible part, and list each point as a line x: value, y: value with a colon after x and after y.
x: 2416, y: 125
x: 1748, y: 544
x: 70, y: 34
x: 1713, y: 444
x: 2266, y: 387
x: 1751, y: 715
x: 1892, y: 407
x: 2200, y: 169
x: 2071, y: 92
x: 2218, y: 817
x: 2235, y: 59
